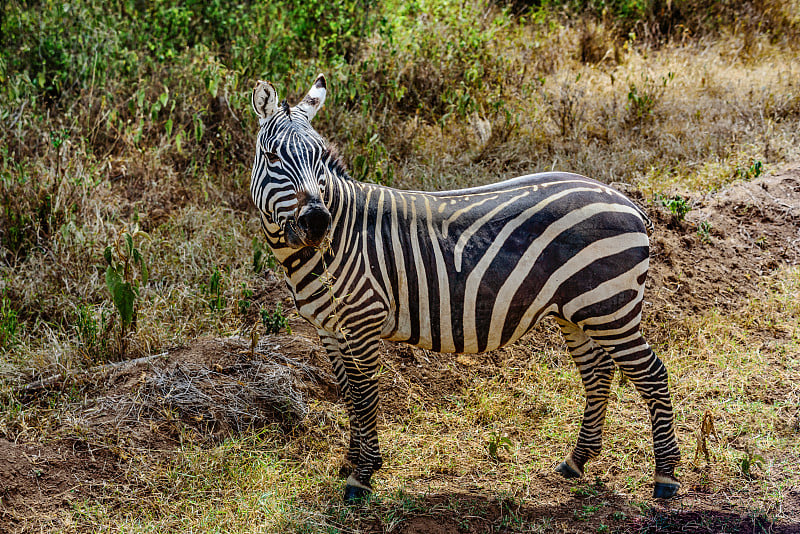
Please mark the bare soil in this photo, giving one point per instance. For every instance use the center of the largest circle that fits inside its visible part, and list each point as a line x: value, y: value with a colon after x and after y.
x: 128, y: 416
x: 754, y: 229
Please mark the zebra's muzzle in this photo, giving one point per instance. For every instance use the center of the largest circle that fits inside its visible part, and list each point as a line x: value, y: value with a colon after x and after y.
x: 313, y: 223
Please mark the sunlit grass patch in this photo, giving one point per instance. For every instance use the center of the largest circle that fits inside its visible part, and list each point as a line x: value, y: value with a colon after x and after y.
x: 742, y: 368
x: 270, y: 481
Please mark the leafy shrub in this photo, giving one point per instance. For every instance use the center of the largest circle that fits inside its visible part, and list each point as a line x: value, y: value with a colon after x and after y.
x: 275, y: 321
x: 677, y: 205
x: 750, y: 173
x: 126, y: 273
x: 442, y: 64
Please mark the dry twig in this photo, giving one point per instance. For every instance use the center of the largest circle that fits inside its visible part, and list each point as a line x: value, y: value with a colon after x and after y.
x: 705, y: 431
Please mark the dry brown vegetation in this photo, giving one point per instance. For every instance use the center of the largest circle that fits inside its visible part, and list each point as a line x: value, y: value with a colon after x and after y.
x: 115, y: 120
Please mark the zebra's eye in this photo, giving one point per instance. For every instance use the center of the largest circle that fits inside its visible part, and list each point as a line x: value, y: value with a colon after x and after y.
x: 273, y: 157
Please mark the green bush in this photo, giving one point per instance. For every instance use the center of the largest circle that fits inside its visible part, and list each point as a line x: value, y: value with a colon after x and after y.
x: 275, y: 321
x: 677, y: 205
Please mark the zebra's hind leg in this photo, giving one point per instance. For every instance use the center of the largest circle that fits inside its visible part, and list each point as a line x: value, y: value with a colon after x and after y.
x: 647, y: 372
x: 597, y: 371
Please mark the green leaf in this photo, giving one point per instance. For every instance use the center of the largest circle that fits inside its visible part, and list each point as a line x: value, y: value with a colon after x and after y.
x: 122, y: 294
x: 129, y: 242
x: 213, y: 85
x: 107, y: 254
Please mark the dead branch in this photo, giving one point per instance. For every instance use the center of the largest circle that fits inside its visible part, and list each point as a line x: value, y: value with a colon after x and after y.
x: 107, y: 367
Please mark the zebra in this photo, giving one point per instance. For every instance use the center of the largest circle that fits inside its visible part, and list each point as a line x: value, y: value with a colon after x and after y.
x: 462, y: 271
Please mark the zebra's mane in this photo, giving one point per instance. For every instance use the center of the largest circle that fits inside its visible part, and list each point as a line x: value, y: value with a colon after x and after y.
x: 335, y: 161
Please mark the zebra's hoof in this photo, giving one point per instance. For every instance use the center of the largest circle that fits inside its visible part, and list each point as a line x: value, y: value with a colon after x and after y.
x: 566, y: 471
x: 356, y: 491
x: 663, y: 490
x: 355, y: 494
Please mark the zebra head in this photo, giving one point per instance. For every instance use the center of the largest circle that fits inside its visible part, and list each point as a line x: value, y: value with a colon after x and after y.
x: 289, y: 170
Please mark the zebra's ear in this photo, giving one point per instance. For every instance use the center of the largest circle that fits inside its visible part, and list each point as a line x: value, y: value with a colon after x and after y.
x: 313, y: 101
x: 265, y: 100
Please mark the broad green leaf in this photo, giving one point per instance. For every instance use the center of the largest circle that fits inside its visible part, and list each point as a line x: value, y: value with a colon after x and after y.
x: 122, y: 294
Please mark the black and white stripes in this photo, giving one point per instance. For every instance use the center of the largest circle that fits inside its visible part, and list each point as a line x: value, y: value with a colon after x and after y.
x: 458, y: 271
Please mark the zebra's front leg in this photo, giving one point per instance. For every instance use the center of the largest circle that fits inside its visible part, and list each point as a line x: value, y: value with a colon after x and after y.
x: 360, y: 359
x: 354, y: 449
x: 597, y: 372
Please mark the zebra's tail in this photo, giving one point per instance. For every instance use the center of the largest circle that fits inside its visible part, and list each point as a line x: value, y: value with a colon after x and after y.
x: 645, y: 219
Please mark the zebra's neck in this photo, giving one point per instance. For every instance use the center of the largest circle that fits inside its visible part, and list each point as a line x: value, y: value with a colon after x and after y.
x: 346, y: 200
x: 330, y: 282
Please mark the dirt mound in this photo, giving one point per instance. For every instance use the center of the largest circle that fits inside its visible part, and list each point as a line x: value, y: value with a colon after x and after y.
x: 716, y: 256
x: 215, y: 388
x: 137, y: 412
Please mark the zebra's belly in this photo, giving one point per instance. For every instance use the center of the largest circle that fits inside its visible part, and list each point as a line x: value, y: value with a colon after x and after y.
x: 436, y: 344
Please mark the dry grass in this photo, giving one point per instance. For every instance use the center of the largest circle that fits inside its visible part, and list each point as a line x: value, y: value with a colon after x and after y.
x: 712, y: 112
x: 437, y: 450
